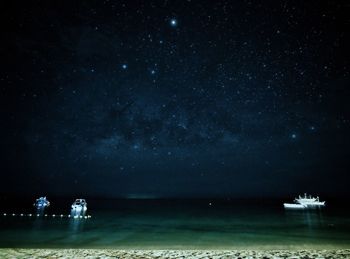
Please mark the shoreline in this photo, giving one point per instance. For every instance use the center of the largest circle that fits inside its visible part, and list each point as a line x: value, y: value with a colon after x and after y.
x: 154, y: 253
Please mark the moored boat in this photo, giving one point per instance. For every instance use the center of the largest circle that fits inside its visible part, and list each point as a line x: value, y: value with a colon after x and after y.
x: 305, y: 202
x: 79, y: 205
x: 41, y: 203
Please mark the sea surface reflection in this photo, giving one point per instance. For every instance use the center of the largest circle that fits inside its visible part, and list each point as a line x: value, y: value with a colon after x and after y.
x: 178, y: 224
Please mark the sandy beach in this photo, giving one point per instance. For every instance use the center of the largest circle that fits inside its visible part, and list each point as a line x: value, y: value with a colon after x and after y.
x: 138, y: 254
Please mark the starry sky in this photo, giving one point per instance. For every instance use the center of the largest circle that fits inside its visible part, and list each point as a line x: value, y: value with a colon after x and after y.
x: 156, y: 99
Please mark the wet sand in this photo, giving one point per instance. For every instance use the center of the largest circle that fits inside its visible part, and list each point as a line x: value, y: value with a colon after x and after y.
x: 138, y: 254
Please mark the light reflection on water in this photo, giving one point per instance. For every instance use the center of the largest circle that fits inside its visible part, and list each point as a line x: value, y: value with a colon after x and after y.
x: 311, y: 218
x: 76, y: 222
x: 193, y: 225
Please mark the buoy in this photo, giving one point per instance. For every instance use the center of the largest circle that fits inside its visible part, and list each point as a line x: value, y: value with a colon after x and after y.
x: 48, y: 215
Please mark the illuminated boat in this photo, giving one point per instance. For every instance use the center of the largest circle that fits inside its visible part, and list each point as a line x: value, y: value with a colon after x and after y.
x: 41, y: 203
x: 310, y: 201
x: 79, y: 205
x: 305, y: 202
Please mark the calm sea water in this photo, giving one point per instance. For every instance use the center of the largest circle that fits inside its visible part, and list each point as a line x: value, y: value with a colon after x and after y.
x: 176, y: 224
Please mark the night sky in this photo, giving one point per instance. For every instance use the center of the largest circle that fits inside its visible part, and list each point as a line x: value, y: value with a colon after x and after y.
x: 155, y: 99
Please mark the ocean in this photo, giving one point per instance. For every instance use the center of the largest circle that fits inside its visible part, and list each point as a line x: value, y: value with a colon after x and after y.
x: 175, y: 224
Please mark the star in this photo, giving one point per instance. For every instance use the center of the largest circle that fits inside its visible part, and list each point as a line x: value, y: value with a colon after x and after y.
x: 173, y: 22
x: 124, y: 66
x: 294, y: 136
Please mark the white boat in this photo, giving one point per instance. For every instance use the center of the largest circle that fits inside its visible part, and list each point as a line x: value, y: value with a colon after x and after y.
x: 79, y: 205
x: 41, y: 203
x: 305, y: 202
x: 310, y: 201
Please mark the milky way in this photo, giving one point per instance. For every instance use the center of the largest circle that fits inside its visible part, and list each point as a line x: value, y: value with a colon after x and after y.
x: 175, y: 99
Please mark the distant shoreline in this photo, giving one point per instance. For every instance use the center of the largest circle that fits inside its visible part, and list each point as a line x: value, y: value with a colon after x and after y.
x: 138, y: 254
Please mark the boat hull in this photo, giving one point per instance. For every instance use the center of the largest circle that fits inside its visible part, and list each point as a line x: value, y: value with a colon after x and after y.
x: 79, y: 208
x: 294, y: 206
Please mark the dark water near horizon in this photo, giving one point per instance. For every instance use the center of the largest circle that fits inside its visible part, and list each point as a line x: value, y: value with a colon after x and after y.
x: 176, y: 224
